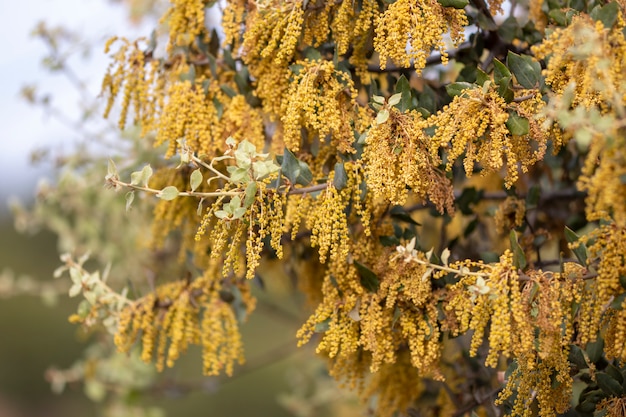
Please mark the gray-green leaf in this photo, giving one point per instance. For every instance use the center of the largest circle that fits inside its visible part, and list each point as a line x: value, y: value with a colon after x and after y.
x: 341, y: 178
x: 517, y: 124
x: 527, y: 72
x: 168, y: 193
x: 195, y: 179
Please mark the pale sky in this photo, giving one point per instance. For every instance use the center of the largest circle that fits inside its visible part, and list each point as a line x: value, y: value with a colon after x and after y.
x: 23, y: 127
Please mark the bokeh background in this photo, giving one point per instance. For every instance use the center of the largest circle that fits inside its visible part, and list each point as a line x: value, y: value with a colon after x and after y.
x: 35, y: 335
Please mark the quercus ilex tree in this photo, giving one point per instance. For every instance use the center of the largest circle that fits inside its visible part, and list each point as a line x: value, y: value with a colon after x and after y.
x: 445, y: 180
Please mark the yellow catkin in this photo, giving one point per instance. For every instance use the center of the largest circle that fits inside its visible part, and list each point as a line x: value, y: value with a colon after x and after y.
x: 396, y: 156
x: 320, y: 99
x: 422, y: 25
x: 183, y: 313
x: 473, y: 126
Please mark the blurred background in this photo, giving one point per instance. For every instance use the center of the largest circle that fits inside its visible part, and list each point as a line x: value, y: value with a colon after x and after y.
x: 50, y: 72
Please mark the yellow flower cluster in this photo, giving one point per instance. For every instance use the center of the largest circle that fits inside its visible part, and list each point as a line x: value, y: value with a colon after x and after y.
x: 397, y: 156
x: 321, y: 99
x: 602, y: 179
x: 266, y: 219
x: 185, y: 19
x: 591, y: 57
x: 275, y: 29
x: 143, y: 88
x: 530, y: 320
x: 351, y: 27
x: 420, y: 24
x: 189, y: 115
x: 546, y: 369
x: 329, y: 225
x: 179, y: 314
x: 196, y: 109
x: 391, y: 329
x: 397, y: 386
x: 510, y: 214
x: 271, y: 87
x: 272, y: 30
x: 608, y: 245
x: 172, y: 215
x: 474, y: 126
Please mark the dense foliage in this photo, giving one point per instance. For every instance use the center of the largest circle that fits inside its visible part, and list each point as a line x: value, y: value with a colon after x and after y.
x: 444, y: 180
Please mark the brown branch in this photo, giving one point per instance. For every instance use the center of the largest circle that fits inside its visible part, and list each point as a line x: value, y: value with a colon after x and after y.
x: 524, y: 98
x: 306, y: 190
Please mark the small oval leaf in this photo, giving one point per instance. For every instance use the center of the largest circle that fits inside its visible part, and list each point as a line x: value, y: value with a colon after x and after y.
x: 195, y: 179
x: 168, y: 193
x: 382, y: 116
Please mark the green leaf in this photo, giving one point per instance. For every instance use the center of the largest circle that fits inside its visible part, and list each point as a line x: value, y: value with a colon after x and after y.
x: 399, y: 213
x: 322, y: 326
x: 228, y: 59
x: 190, y: 75
x: 509, y: 29
x: 519, y: 258
x: 239, y: 175
x: 469, y: 196
x: 111, y: 169
x: 606, y: 14
x: 532, y: 198
x: 403, y: 86
x: 594, y: 349
x: 558, y: 16
x: 395, y: 99
x: 471, y: 226
x: 580, y: 251
x: 428, y: 99
x: 510, y: 369
x: 239, y: 212
x: 250, y: 195
x: 609, y: 385
x: 221, y: 214
x: 290, y: 166
x: 382, y: 116
x: 306, y: 176
x: 312, y: 54
x: 233, y: 204
x: 456, y: 89
x: 517, y: 124
x: 457, y: 4
x: 200, y: 207
x: 617, y: 302
x: 195, y: 179
x: 527, y: 72
x: 212, y: 64
x: 588, y: 406
x: 296, y: 68
x: 481, y: 77
x: 389, y: 241
x: 378, y: 99
x: 504, y: 89
x: 500, y: 71
x: 615, y: 373
x: 369, y: 280
x: 168, y: 193
x: 341, y: 178
x: 242, y: 81
x: 130, y: 196
x: 577, y: 357
x: 228, y: 90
